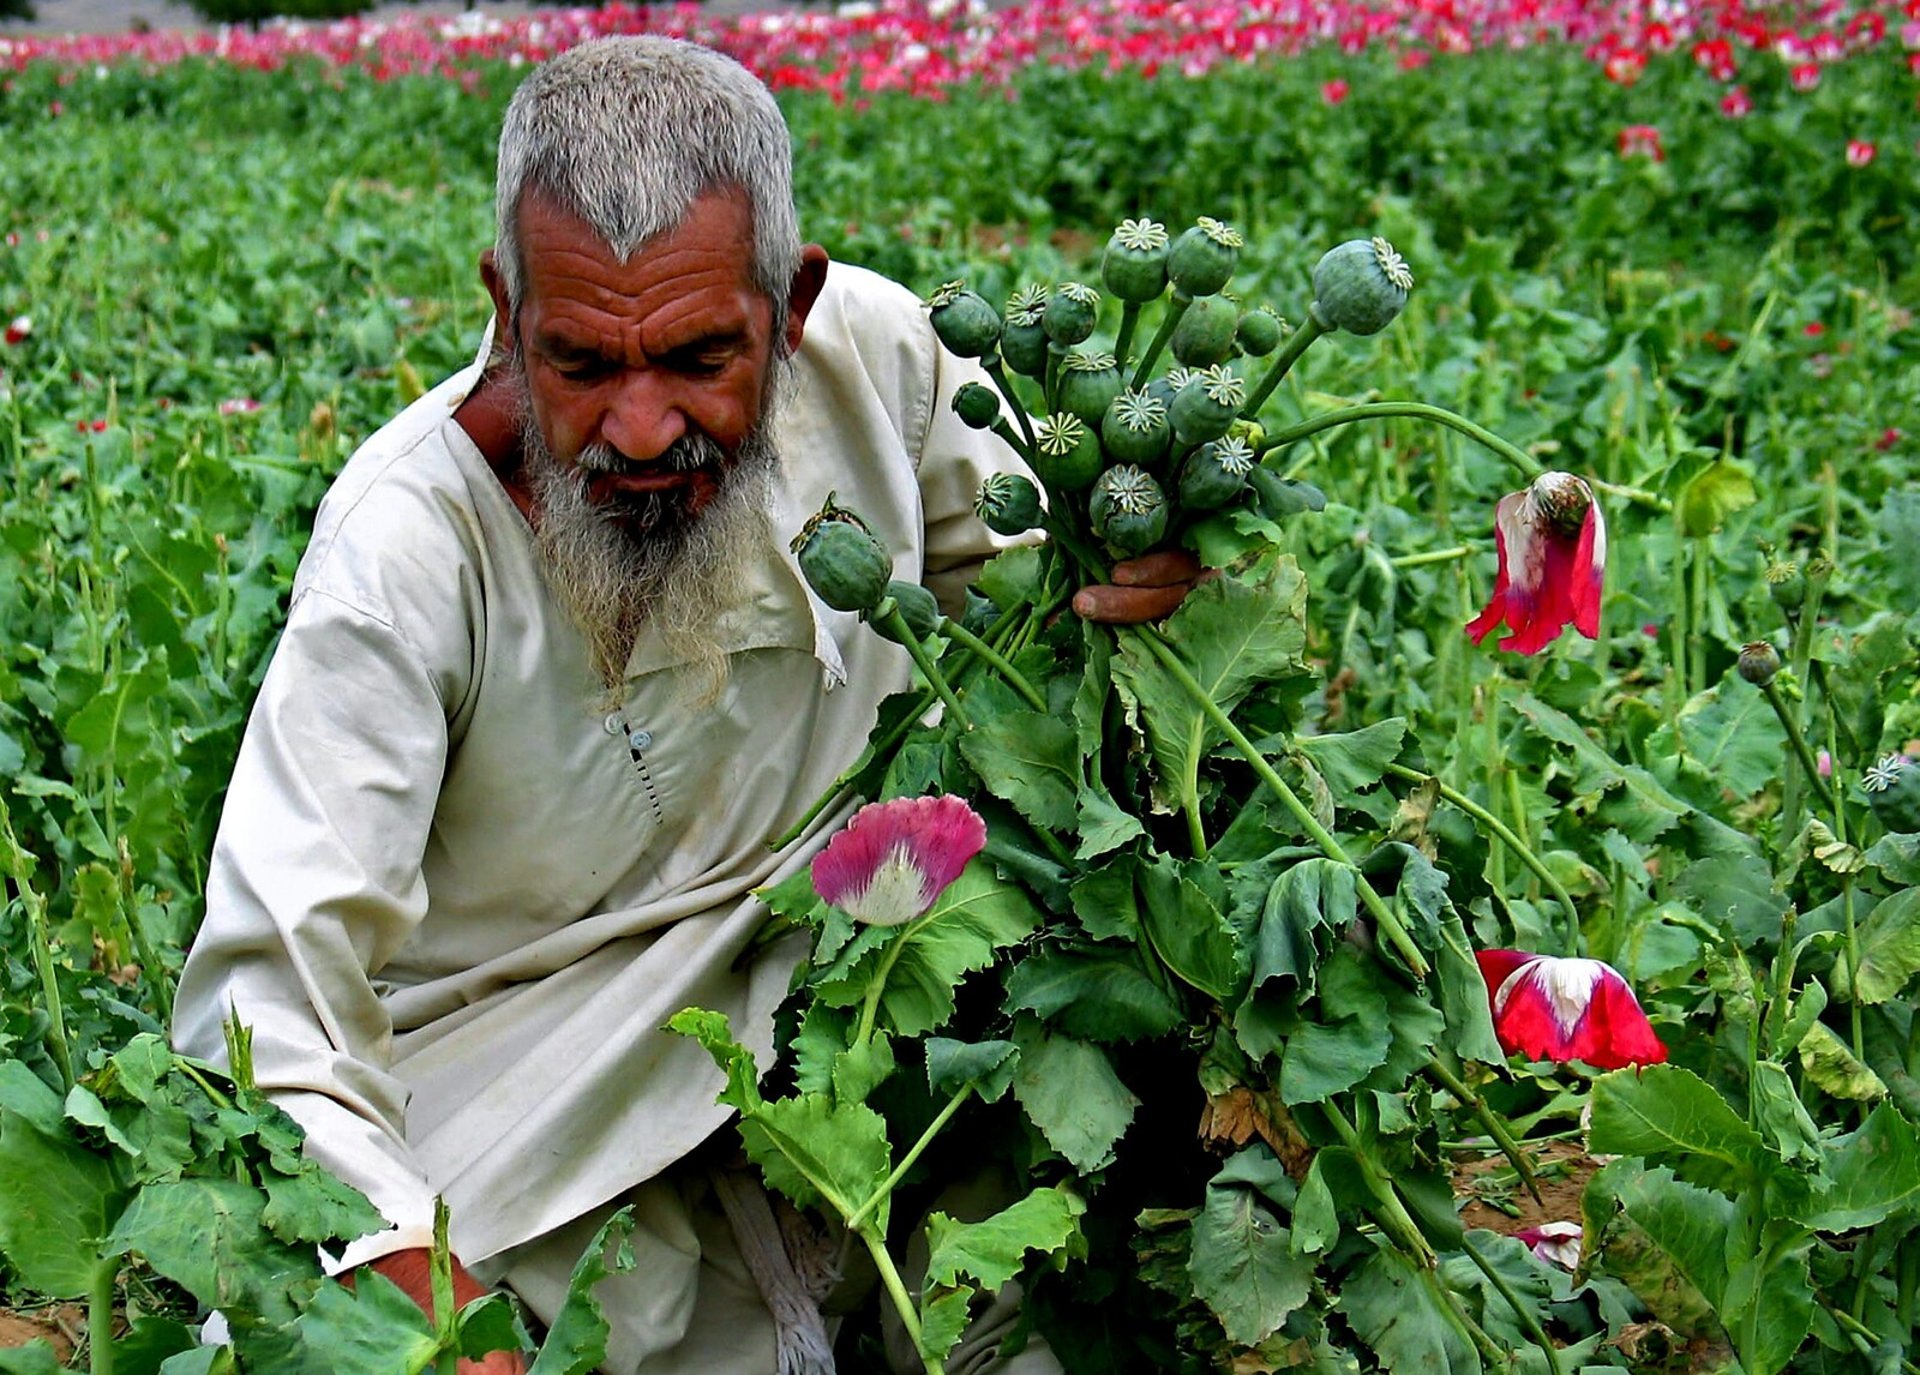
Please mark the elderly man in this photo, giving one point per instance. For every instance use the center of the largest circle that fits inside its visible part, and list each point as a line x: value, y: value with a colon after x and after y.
x: 549, y: 682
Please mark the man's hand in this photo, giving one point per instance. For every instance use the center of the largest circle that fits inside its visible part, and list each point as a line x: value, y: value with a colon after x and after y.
x: 413, y: 1272
x: 1142, y: 589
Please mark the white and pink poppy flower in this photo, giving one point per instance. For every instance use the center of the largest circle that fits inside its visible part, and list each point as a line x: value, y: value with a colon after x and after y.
x: 1552, y: 542
x: 1556, y: 1243
x: 894, y: 858
x: 18, y: 329
x: 1567, y: 1009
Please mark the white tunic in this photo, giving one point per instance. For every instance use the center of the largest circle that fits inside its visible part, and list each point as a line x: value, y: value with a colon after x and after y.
x: 451, y: 905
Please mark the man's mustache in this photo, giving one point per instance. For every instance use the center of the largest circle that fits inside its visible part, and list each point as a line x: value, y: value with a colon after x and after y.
x: 689, y: 454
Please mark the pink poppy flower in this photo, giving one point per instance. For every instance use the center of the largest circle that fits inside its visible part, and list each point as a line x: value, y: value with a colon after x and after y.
x: 1624, y: 65
x: 1641, y: 141
x: 894, y: 858
x: 1567, y: 1009
x: 1736, y: 104
x: 1806, y: 76
x: 1860, y: 152
x: 1334, y: 91
x: 1554, y: 1243
x: 239, y: 405
x: 1552, y: 542
x: 18, y: 329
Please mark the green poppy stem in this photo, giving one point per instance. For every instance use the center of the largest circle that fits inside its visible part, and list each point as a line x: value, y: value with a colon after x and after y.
x: 997, y: 374
x: 897, y: 1291
x: 1526, y: 1315
x: 992, y: 658
x: 1491, y: 1120
x: 1416, y: 410
x: 903, y: 633
x: 1283, y: 361
x: 1790, y: 722
x: 914, y: 1152
x: 1504, y: 834
x: 1129, y: 321
x: 1389, y: 924
x: 1175, y: 309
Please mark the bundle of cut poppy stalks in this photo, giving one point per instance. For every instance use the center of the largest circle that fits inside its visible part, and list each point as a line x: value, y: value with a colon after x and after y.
x: 1110, y: 889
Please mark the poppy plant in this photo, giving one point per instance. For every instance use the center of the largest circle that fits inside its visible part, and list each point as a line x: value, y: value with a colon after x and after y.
x: 1552, y: 543
x: 894, y: 858
x: 1547, y: 1008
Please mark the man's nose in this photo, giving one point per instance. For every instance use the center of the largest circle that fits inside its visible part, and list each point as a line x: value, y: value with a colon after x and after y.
x: 645, y: 418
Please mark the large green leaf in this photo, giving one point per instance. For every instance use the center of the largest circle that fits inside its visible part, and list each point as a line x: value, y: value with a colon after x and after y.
x: 1674, y: 1255
x: 810, y: 1147
x: 373, y: 1328
x: 1348, y: 1041
x: 1395, y: 1312
x: 1889, y: 950
x: 314, y: 1206
x: 924, y: 960
x: 1733, y: 734
x: 1830, y: 1064
x: 58, y: 1202
x: 1071, y: 1093
x: 987, y: 1065
x: 1098, y: 995
x: 1032, y: 760
x: 1874, y: 1172
x: 1305, y: 897
x: 1769, y: 1300
x: 992, y: 1251
x: 1355, y: 761
x: 208, y: 1236
x: 1190, y: 933
x: 1621, y: 795
x: 1671, y: 1115
x: 1104, y: 901
x: 1231, y: 634
x: 1243, y: 1265
x: 35, y: 1358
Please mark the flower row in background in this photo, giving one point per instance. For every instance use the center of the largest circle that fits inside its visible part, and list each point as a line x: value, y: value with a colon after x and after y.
x: 929, y: 46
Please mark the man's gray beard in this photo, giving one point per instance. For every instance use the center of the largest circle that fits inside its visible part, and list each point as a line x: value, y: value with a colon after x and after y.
x: 629, y: 562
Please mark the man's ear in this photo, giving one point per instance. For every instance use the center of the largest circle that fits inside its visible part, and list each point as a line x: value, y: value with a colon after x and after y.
x: 805, y: 289
x: 505, y: 338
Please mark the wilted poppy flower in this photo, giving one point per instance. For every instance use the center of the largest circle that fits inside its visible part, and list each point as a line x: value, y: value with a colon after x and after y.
x: 1567, y: 1009
x: 894, y: 858
x: 1556, y: 1243
x: 1642, y: 141
x: 1552, y: 542
x: 1860, y: 152
x: 18, y: 329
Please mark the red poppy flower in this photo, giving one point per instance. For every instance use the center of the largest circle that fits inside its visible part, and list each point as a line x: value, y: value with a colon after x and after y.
x: 1860, y: 152
x: 1736, y: 104
x: 1552, y: 543
x: 1334, y: 91
x: 1567, y: 1009
x: 894, y: 858
x: 1806, y: 76
x: 18, y: 329
x: 1642, y: 141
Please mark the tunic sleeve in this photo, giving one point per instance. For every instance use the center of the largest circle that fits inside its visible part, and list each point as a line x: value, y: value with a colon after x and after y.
x: 315, y: 882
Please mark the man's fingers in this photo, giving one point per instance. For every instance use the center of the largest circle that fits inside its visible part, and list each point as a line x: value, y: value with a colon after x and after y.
x: 1127, y: 605
x: 1163, y: 568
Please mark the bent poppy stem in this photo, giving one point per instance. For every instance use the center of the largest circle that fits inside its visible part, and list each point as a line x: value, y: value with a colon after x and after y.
x: 1809, y: 765
x: 1528, y: 1320
x: 1297, y: 342
x: 1492, y: 1121
x: 1419, y: 410
x: 1505, y: 835
x: 1389, y: 924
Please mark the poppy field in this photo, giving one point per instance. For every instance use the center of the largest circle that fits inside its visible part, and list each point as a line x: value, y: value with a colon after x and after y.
x: 1477, y: 931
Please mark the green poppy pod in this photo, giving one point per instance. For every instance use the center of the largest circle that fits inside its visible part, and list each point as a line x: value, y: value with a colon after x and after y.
x: 1008, y: 504
x: 966, y: 324
x: 1259, y: 332
x: 1215, y: 473
x: 1205, y: 333
x: 843, y: 563
x: 1072, y: 311
x: 978, y: 406
x: 1135, y: 429
x: 1128, y: 510
x: 1088, y: 384
x: 918, y: 609
x: 1202, y: 259
x: 1360, y: 286
x: 1206, y: 406
x: 1066, y: 453
x: 1134, y: 265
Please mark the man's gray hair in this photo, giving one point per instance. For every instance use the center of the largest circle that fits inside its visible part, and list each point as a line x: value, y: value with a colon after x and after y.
x: 626, y: 133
